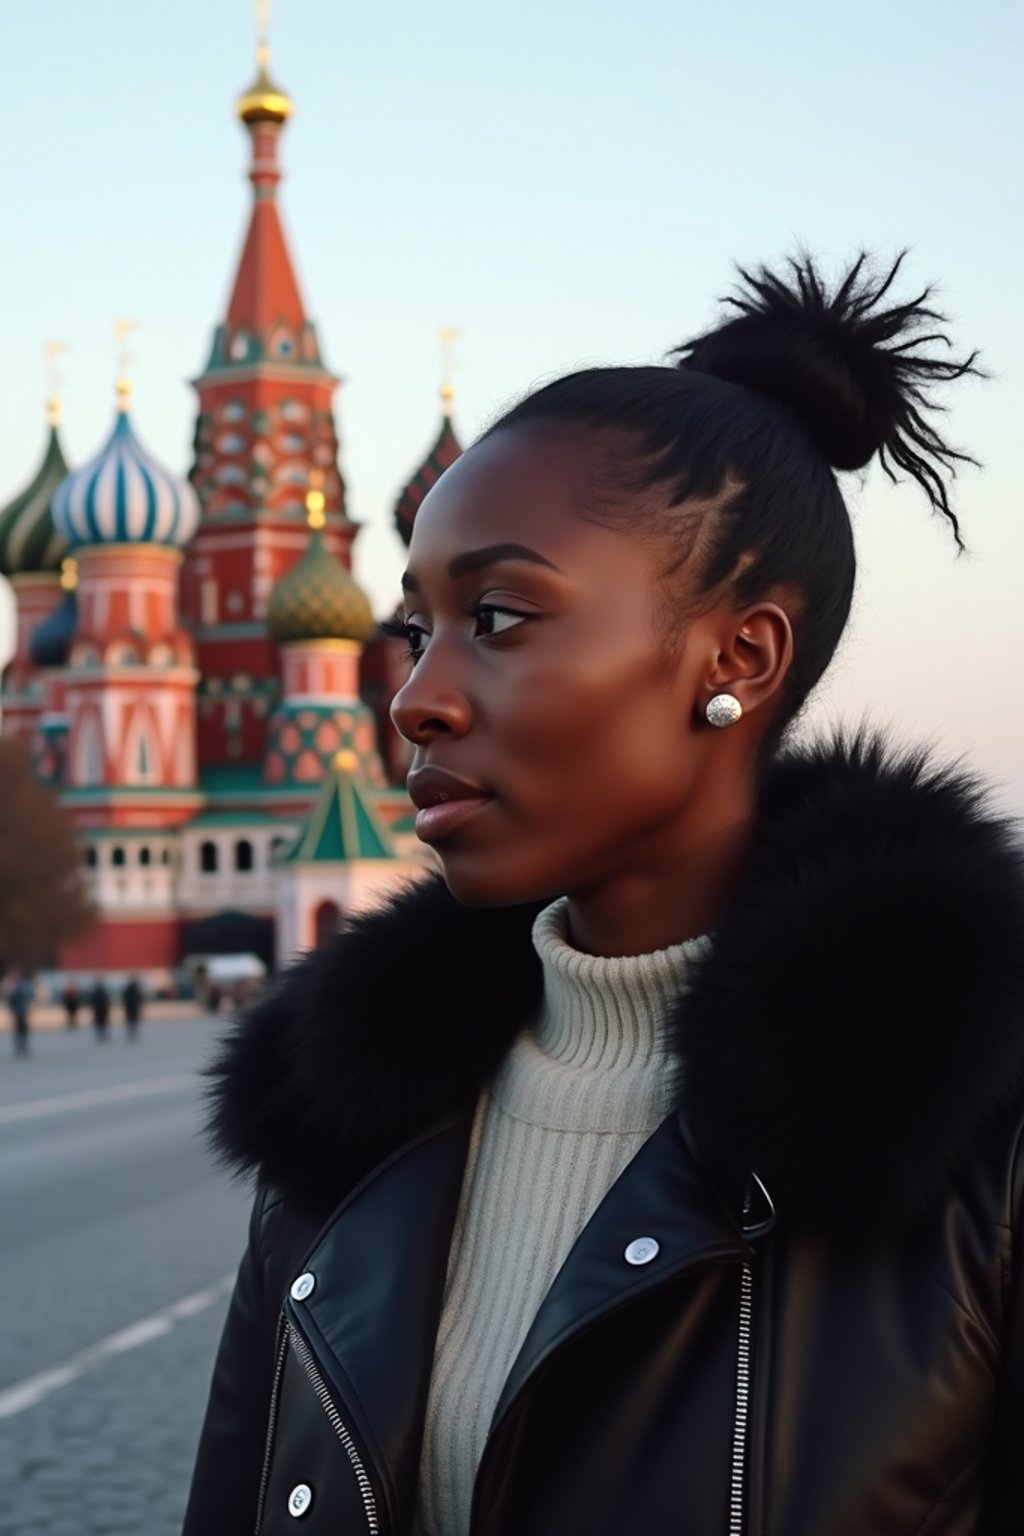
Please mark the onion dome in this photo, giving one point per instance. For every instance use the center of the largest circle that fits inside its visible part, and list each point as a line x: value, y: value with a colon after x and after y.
x: 263, y: 102
x: 318, y: 599
x: 29, y: 541
x: 442, y: 455
x: 123, y: 496
x: 50, y: 641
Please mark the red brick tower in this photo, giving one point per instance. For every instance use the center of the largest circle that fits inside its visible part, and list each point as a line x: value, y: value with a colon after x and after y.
x: 265, y: 423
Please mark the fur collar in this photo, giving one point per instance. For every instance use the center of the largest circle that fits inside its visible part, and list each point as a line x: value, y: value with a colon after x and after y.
x: 853, y: 1035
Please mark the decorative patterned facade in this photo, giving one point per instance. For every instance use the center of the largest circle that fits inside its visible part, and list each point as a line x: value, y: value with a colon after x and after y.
x: 197, y: 671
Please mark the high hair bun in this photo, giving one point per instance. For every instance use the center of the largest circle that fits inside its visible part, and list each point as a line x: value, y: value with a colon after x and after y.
x: 855, y: 371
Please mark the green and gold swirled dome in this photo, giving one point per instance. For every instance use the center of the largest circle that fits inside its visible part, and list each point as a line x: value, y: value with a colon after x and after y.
x: 319, y: 599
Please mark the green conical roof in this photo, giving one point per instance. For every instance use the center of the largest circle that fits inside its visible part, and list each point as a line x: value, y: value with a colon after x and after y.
x: 343, y: 825
x: 319, y: 599
x: 28, y: 539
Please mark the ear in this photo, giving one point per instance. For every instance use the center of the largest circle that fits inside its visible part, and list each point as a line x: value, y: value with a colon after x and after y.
x: 754, y: 652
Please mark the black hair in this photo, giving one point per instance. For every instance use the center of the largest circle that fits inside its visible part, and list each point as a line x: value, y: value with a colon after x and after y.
x: 749, y: 427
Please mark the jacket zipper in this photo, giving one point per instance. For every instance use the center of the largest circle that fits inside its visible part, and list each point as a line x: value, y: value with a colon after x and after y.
x: 280, y: 1350
x: 739, y: 1438
x: 751, y: 1230
x: 316, y: 1380
x: 286, y: 1335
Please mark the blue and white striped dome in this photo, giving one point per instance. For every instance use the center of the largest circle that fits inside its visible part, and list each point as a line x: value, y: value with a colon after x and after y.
x: 123, y: 496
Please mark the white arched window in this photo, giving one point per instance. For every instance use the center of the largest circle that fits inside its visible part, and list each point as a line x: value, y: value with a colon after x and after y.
x: 121, y: 654
x: 292, y: 472
x: 230, y: 474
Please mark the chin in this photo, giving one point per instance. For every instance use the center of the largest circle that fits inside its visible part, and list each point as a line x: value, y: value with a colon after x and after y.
x: 488, y: 884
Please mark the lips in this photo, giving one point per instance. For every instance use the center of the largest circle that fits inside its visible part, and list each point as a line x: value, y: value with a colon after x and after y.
x: 444, y: 801
x: 430, y: 785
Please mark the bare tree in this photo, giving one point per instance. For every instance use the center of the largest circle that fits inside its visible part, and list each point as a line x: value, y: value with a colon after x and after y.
x: 43, y: 900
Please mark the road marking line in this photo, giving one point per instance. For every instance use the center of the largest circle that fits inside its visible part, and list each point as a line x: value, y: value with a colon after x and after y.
x: 148, y: 1088
x: 27, y: 1393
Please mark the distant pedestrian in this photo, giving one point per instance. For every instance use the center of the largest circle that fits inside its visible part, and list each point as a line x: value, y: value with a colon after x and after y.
x: 71, y: 997
x: 19, y: 1000
x: 99, y: 1002
x: 131, y: 1002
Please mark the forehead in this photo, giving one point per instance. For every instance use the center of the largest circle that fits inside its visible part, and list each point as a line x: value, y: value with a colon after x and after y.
x: 528, y: 487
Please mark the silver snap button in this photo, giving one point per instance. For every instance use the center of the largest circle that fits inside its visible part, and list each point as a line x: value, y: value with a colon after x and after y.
x: 642, y: 1250
x: 300, y: 1499
x: 302, y: 1287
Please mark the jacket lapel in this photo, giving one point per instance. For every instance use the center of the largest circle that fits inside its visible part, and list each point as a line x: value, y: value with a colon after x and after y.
x: 664, y: 1194
x: 380, y: 1266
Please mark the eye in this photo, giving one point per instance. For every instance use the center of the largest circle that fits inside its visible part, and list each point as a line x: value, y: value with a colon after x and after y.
x: 493, y: 621
x: 497, y: 620
x: 412, y: 634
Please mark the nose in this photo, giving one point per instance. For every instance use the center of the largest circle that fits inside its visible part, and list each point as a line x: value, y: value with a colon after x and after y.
x: 426, y: 706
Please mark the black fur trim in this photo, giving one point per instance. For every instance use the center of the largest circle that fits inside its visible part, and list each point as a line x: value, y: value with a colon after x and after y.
x: 393, y: 1025
x: 859, y: 1027
x: 854, y: 1033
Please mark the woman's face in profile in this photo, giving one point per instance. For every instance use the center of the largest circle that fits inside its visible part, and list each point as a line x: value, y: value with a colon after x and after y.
x: 540, y: 677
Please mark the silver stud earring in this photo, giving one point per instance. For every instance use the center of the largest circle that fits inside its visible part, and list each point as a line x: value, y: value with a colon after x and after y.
x: 724, y: 709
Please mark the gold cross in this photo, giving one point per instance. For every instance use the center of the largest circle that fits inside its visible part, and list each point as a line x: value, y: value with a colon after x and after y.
x: 447, y: 335
x: 122, y: 329
x: 51, y: 351
x: 262, y: 29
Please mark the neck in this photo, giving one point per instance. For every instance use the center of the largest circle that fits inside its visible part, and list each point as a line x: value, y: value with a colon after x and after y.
x: 663, y: 901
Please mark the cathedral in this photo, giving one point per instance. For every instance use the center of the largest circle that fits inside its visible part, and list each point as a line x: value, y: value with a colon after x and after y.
x: 197, y: 673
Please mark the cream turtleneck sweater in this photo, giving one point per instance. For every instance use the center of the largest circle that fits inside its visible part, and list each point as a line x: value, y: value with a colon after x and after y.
x: 574, y: 1100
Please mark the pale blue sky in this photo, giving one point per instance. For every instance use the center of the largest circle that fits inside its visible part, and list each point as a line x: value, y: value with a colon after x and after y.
x: 567, y: 182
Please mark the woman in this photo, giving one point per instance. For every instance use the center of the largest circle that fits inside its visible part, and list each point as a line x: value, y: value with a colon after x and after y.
x: 656, y: 1171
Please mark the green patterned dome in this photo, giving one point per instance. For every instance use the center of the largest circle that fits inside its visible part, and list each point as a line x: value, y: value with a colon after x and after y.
x: 29, y: 540
x: 319, y: 600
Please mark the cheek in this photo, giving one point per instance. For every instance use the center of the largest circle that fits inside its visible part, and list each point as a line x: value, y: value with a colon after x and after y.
x: 600, y: 733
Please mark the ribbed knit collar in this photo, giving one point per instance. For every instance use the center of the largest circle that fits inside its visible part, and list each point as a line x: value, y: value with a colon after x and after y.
x: 594, y: 1059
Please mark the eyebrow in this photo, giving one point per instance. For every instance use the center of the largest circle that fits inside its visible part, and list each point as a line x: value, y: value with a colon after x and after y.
x: 477, y: 559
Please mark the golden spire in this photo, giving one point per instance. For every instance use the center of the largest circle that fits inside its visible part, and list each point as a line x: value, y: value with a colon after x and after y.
x: 263, y: 102
x: 447, y: 335
x: 51, y: 351
x: 123, y: 329
x: 315, y: 500
x: 69, y: 573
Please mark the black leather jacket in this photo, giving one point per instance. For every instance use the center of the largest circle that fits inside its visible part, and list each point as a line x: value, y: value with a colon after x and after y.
x: 829, y: 1337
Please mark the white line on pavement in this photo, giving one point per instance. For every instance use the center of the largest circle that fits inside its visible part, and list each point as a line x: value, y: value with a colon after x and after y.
x: 27, y: 1393
x: 148, y: 1088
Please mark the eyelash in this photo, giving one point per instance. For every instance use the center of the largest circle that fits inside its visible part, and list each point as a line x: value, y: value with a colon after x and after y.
x: 398, y: 629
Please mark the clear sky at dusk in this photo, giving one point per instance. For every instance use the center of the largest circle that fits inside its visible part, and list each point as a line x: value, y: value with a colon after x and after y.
x: 568, y: 183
